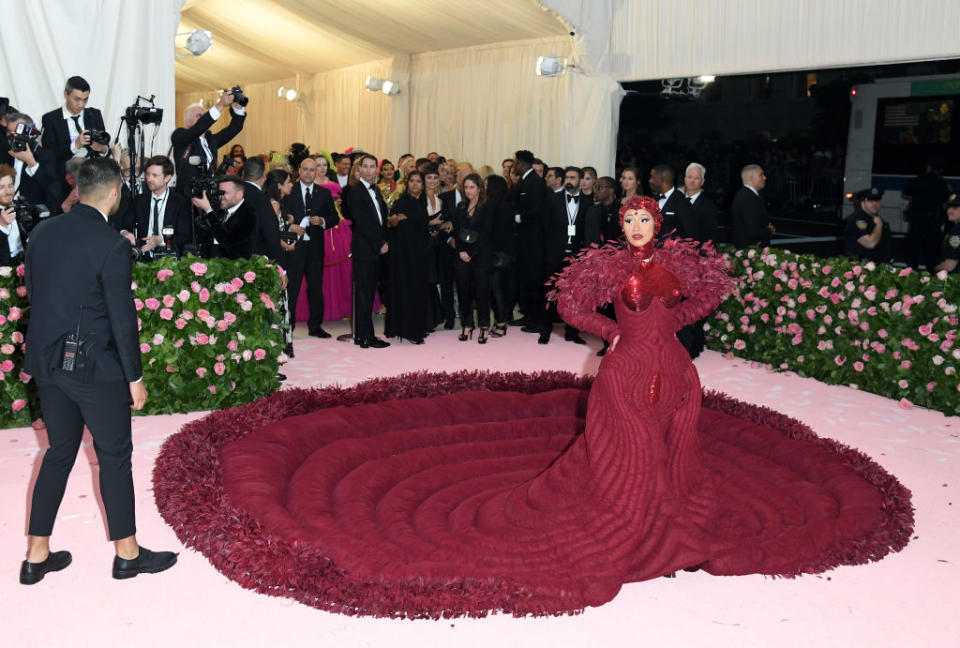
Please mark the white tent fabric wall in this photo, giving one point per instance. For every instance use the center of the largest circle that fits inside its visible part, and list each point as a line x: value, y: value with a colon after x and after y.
x: 121, y: 48
x: 656, y: 39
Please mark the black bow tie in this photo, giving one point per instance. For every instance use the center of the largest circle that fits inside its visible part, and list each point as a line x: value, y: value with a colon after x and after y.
x: 657, y: 196
x: 572, y: 198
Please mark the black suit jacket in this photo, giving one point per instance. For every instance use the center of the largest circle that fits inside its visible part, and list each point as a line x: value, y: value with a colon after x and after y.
x: 40, y: 188
x: 5, y: 246
x: 678, y: 215
x: 481, y: 252
x: 555, y: 234
x: 61, y: 276
x: 749, y: 219
x: 266, y: 235
x: 186, y: 144
x: 235, y: 236
x: 369, y: 234
x: 56, y: 135
x: 532, y: 193
x: 321, y: 204
x: 705, y: 212
x: 177, y: 213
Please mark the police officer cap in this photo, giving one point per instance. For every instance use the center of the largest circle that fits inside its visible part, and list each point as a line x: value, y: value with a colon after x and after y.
x: 954, y: 200
x: 868, y: 194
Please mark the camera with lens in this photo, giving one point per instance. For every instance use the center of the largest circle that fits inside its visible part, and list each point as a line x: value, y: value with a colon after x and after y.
x: 99, y: 137
x: 210, y: 186
x: 21, y: 138
x: 238, y: 97
x: 28, y: 214
x: 167, y: 250
x: 137, y: 114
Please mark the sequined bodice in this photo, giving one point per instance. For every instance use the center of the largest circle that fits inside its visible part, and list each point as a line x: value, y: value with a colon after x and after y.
x: 649, y: 280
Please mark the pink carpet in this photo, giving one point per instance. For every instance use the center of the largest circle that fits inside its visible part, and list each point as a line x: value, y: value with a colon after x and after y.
x: 907, y: 599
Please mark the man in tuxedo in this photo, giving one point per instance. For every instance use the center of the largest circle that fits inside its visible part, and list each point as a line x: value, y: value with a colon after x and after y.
x: 266, y: 237
x: 704, y: 209
x: 369, y: 212
x: 313, y: 211
x: 565, y: 217
x: 195, y: 146
x: 78, y: 276
x: 678, y: 218
x: 531, y: 195
x: 230, y: 224
x: 750, y: 219
x: 34, y: 179
x: 161, y: 209
x: 66, y: 130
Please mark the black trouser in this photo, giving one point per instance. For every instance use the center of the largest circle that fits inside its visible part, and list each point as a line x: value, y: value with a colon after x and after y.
x: 502, y: 292
x: 295, y: 264
x: 68, y: 404
x: 446, y: 257
x: 473, y: 283
x: 314, y: 273
x: 530, y: 272
x: 366, y: 277
x: 924, y: 239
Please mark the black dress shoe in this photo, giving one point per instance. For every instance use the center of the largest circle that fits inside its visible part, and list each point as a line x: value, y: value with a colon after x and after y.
x: 602, y: 352
x: 281, y: 377
x: 530, y: 328
x: 377, y: 343
x: 148, y: 562
x: 520, y: 321
x: 31, y: 573
x: 544, y: 338
x: 288, y: 350
x: 320, y: 333
x: 575, y: 338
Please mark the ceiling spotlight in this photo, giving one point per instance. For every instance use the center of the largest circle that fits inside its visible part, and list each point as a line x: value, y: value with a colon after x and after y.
x: 198, y: 42
x: 551, y: 66
x: 280, y: 91
x: 390, y: 88
x: 373, y: 84
x: 291, y: 94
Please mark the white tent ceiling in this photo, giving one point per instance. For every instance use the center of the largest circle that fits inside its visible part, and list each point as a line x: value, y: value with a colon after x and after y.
x: 265, y: 40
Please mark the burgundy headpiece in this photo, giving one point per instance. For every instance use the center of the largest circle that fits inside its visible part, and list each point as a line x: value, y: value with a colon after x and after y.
x: 647, y: 203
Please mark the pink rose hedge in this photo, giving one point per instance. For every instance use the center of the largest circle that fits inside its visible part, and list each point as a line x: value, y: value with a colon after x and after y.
x: 891, y: 331
x: 201, y: 348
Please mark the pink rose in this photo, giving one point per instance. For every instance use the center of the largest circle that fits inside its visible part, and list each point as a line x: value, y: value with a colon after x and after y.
x: 201, y: 371
x: 7, y: 349
x: 157, y: 339
x: 203, y: 314
x: 198, y: 268
x: 246, y: 306
x: 229, y: 289
x: 931, y: 385
x: 882, y: 333
x: 166, y: 313
x: 152, y: 304
x: 16, y: 337
x: 902, y: 384
x: 20, y: 270
x: 18, y: 405
x: 138, y: 304
x: 259, y: 354
x: 169, y: 300
x: 180, y: 323
x: 926, y: 329
x: 202, y: 338
x: 4, y: 293
x: 247, y: 354
x: 178, y: 343
x: 171, y: 369
x: 858, y: 366
x: 164, y: 274
x: 195, y: 286
x: 906, y: 364
x: 840, y: 361
x: 6, y: 366
x: 237, y: 283
x: 21, y: 291
x: 183, y: 295
x: 14, y: 314
x: 241, y: 297
x: 827, y: 269
x: 905, y: 272
x: 186, y: 315
x: 904, y: 403
x: 219, y: 368
x: 204, y: 296
x: 222, y: 326
x: 229, y: 317
x: 213, y: 390
x: 249, y: 276
x: 145, y: 348
x: 232, y: 345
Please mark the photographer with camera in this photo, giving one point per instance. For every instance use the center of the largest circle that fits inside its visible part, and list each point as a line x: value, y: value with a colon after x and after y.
x: 163, y: 216
x: 195, y: 147
x: 32, y: 164
x: 12, y: 235
x: 74, y: 130
x: 228, y: 223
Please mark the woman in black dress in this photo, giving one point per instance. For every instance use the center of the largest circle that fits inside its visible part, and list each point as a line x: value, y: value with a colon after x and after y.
x: 473, y: 233
x: 407, y: 264
x: 502, y: 288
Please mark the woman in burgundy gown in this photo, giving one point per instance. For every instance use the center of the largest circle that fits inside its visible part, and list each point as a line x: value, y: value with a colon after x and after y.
x: 529, y: 496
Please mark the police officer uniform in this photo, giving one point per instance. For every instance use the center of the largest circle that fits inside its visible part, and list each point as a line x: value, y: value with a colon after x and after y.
x: 860, y: 223
x: 951, y: 242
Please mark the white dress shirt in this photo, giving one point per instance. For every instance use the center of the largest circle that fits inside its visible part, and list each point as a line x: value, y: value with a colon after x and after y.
x: 13, y: 238
x: 694, y: 197
x: 663, y: 199
x: 305, y: 221
x: 162, y: 205
x: 73, y: 132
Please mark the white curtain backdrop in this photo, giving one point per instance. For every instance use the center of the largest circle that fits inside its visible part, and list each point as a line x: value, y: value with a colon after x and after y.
x: 122, y: 48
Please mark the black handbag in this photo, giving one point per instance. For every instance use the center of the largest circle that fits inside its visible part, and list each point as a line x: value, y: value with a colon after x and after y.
x: 468, y: 236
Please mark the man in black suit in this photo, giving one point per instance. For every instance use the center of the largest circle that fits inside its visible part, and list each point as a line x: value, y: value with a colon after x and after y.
x: 368, y: 212
x: 162, y: 209
x: 313, y: 211
x: 704, y: 209
x: 602, y: 222
x: 195, y: 147
x: 446, y: 254
x: 750, y: 219
x: 678, y: 218
x: 227, y: 227
x: 78, y: 276
x: 531, y: 195
x: 565, y: 217
x: 266, y: 236
x: 66, y: 130
x: 33, y: 167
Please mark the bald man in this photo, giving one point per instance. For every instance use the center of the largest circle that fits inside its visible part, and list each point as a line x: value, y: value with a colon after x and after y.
x: 195, y: 147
